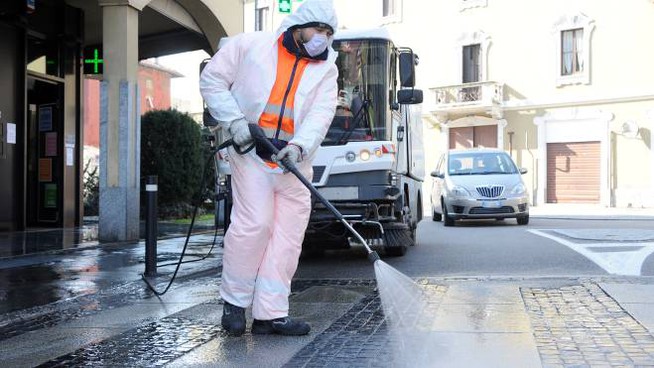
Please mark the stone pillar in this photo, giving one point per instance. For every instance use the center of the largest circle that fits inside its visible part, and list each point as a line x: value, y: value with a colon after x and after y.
x: 120, y: 124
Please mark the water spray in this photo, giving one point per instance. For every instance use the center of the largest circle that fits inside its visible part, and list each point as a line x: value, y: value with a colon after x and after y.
x: 259, y: 136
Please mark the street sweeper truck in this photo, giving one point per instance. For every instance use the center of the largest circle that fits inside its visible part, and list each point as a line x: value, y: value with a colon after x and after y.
x: 371, y: 164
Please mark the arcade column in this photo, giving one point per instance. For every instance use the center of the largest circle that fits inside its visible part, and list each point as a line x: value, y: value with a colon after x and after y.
x: 120, y: 125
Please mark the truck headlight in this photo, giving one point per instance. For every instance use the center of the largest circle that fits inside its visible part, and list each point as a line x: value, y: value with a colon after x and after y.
x: 364, y: 155
x: 350, y: 156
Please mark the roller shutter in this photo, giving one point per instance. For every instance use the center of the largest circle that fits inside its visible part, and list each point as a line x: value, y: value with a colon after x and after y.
x: 573, y: 172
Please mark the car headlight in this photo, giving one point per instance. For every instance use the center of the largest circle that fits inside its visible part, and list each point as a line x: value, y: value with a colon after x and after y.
x: 460, y: 192
x: 518, y: 190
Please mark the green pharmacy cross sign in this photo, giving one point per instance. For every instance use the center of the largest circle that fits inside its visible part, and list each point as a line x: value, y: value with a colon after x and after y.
x: 285, y: 6
x: 93, y: 64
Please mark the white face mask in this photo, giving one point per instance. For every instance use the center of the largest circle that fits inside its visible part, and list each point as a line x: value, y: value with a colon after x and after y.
x: 316, y: 45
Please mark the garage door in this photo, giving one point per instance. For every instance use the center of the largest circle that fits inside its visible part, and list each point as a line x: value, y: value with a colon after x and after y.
x: 573, y: 172
x: 477, y: 136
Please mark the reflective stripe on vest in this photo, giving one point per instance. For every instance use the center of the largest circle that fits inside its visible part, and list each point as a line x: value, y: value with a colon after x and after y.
x: 277, y: 118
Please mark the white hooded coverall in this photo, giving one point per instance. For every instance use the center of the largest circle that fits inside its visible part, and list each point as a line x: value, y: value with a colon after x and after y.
x: 271, y: 210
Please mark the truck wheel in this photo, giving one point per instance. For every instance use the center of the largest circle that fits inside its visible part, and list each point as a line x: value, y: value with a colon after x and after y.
x: 436, y: 216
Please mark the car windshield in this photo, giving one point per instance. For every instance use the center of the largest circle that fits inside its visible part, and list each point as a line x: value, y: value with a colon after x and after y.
x: 477, y: 163
x: 363, y: 68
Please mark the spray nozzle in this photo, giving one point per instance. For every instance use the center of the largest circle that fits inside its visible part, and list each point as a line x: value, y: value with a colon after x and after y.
x: 373, y: 256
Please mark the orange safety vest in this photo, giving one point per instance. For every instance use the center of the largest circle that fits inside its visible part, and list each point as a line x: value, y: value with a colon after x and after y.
x: 277, y: 118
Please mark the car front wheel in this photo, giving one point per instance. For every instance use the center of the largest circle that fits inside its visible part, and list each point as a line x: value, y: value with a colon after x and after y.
x: 447, y: 220
x: 523, y: 220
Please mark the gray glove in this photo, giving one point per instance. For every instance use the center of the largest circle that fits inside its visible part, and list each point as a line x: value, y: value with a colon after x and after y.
x: 240, y: 132
x: 291, y: 154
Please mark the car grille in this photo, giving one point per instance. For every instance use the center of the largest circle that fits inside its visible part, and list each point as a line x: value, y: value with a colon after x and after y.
x: 317, y: 173
x: 490, y: 211
x: 490, y: 191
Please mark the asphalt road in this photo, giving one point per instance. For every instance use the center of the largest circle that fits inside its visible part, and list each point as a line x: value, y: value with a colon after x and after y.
x: 544, y: 248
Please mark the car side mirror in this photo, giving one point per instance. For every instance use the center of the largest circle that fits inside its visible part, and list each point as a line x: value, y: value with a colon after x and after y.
x: 523, y: 170
x: 409, y: 96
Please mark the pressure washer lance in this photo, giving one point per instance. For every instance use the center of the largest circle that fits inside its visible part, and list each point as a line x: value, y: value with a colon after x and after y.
x: 259, y: 136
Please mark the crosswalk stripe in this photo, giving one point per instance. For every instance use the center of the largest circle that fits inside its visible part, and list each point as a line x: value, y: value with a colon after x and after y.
x: 628, y: 262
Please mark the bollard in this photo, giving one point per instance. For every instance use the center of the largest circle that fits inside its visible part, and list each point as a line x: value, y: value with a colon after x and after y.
x: 151, y: 226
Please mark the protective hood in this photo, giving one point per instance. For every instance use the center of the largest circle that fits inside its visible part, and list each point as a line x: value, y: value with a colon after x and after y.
x: 311, y: 11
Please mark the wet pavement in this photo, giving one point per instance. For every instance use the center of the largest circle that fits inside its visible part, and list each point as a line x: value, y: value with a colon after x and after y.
x: 33, y: 241
x: 89, y: 307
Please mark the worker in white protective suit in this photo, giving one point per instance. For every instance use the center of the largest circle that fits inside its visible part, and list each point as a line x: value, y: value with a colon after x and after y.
x: 286, y: 83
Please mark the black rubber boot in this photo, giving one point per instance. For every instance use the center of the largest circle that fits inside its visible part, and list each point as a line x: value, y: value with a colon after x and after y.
x: 233, y: 320
x: 280, y: 326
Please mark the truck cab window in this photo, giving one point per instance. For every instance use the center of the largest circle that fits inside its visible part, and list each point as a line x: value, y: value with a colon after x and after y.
x: 363, y: 92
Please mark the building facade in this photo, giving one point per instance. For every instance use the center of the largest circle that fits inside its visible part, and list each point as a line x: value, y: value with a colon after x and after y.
x: 47, y: 47
x: 564, y: 87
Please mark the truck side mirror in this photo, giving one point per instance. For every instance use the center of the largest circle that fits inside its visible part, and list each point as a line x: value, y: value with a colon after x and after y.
x: 408, y: 61
x: 409, y: 96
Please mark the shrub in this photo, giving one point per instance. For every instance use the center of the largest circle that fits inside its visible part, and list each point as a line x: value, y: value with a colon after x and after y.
x: 171, y: 148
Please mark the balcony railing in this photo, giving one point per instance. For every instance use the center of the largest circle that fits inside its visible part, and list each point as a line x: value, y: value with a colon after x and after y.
x: 484, y: 98
x: 478, y: 93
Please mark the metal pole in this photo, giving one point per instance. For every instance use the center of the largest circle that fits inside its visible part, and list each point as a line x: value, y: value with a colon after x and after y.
x: 151, y: 227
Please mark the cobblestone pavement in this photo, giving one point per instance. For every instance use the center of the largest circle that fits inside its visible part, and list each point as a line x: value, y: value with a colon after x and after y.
x: 582, y: 326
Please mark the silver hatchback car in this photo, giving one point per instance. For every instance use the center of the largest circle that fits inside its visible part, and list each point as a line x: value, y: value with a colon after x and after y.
x: 479, y: 183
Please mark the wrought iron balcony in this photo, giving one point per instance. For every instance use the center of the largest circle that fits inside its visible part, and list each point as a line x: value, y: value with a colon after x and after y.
x: 469, y: 98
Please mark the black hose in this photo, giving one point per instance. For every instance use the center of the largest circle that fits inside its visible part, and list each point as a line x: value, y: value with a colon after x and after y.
x: 190, y: 230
